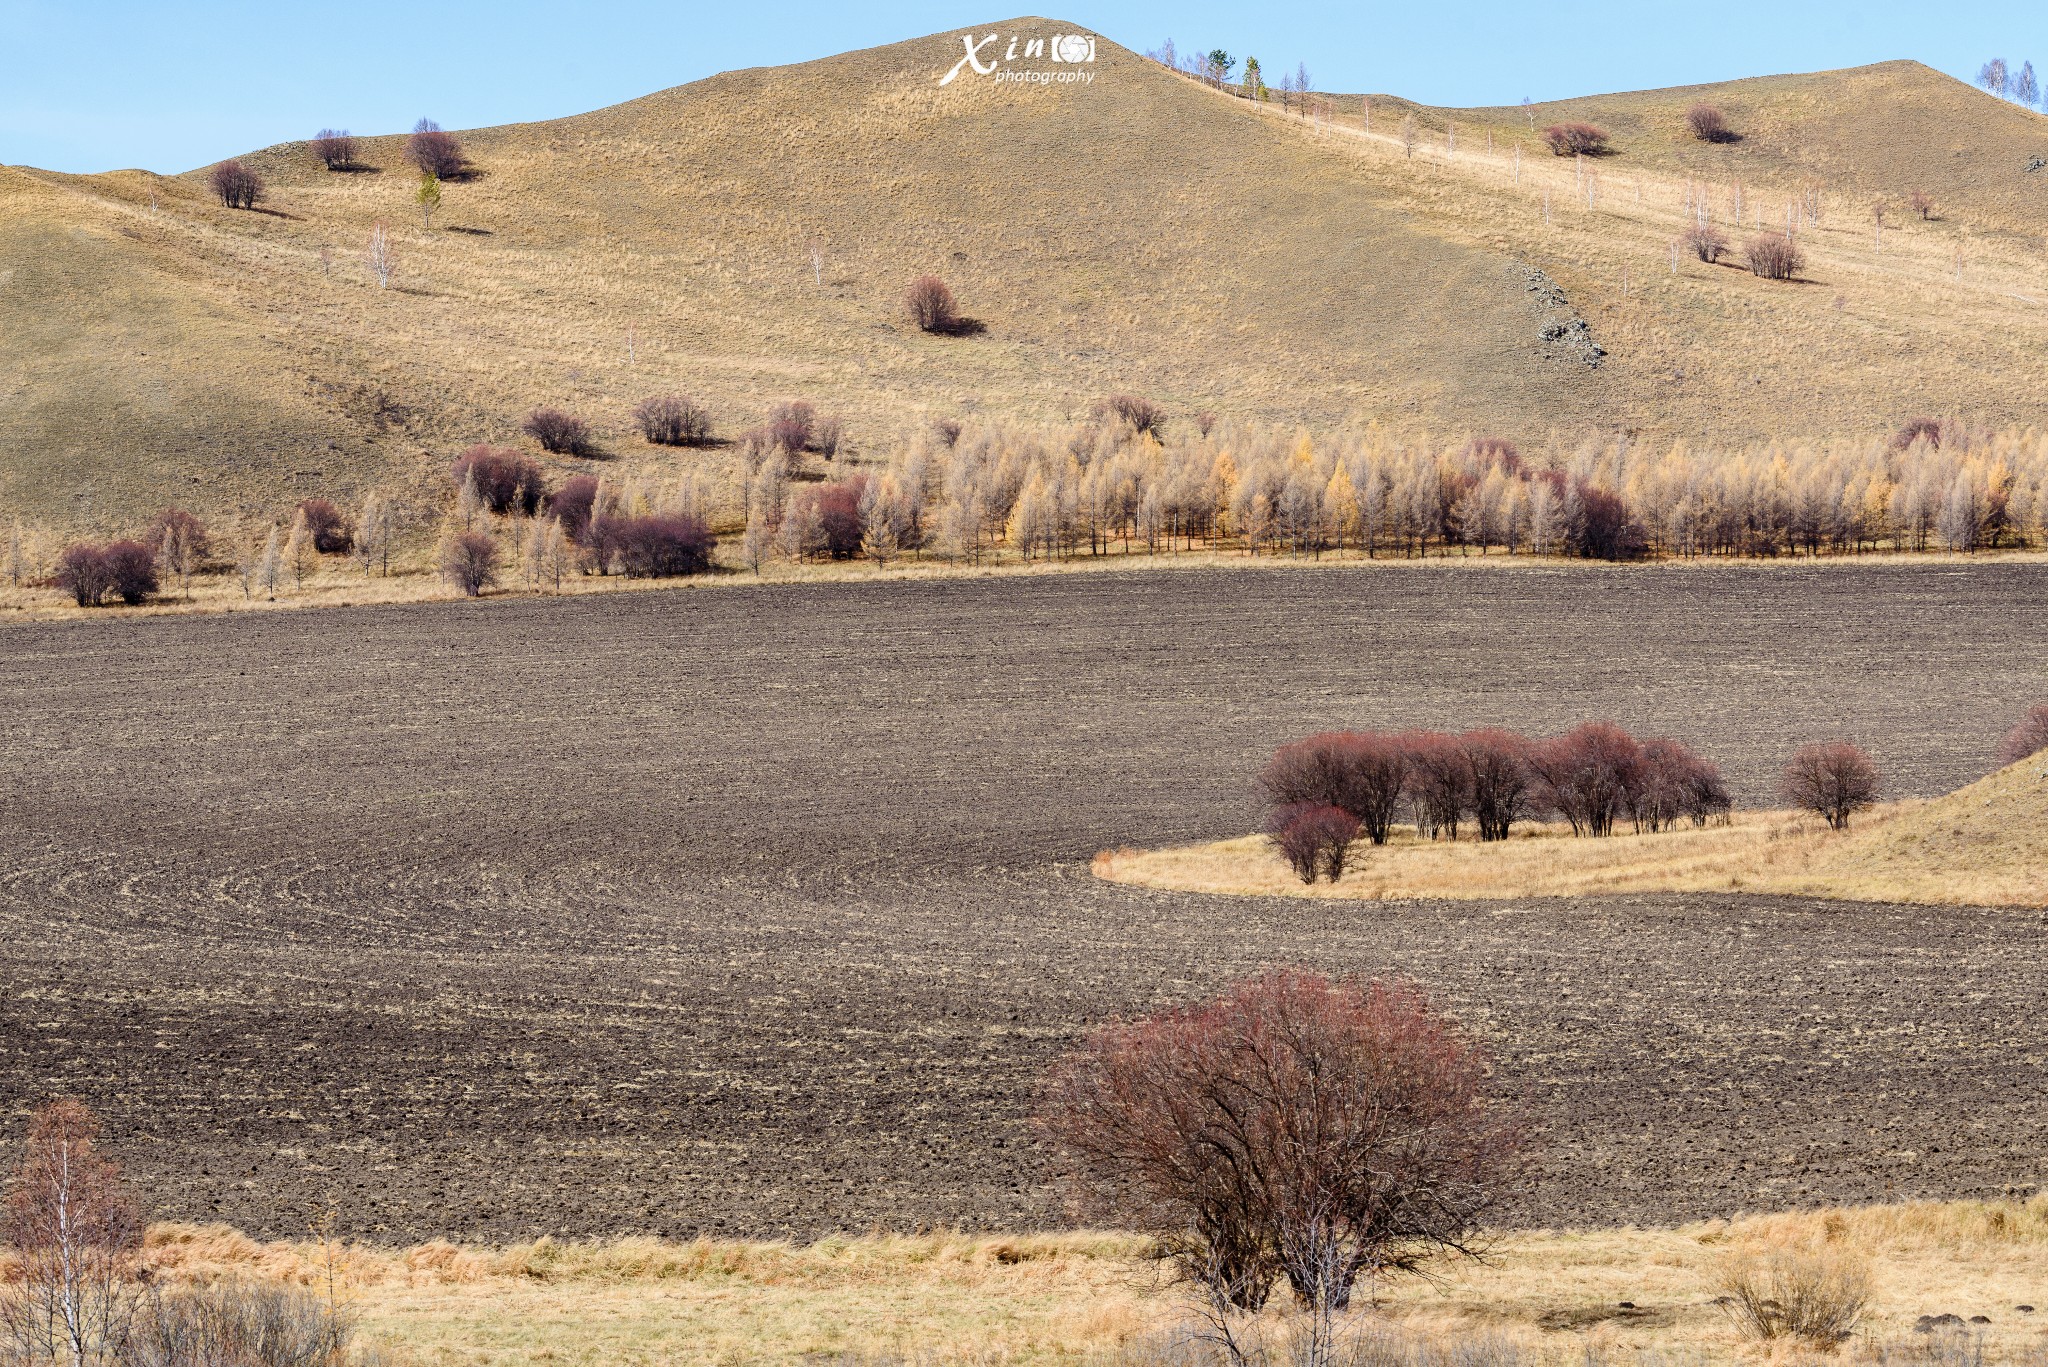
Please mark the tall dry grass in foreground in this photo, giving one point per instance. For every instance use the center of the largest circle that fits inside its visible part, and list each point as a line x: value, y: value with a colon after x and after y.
x: 1546, y: 1297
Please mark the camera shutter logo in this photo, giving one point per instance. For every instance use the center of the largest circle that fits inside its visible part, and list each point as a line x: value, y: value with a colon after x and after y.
x: 1073, y: 48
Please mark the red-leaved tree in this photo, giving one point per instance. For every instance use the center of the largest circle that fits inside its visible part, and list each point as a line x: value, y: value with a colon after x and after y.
x: 1296, y: 1128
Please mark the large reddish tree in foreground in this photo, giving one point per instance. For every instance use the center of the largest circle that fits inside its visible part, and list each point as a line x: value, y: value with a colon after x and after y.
x: 1297, y: 1127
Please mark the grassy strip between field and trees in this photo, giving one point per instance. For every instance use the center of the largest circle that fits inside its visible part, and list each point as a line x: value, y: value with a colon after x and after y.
x: 1654, y: 817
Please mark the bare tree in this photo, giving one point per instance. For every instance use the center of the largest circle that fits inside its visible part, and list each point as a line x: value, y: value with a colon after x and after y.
x: 1994, y: 77
x: 1923, y: 204
x: 76, y: 1233
x: 814, y: 251
x: 1360, y: 772
x: 237, y: 185
x: 1833, y: 780
x: 1297, y: 1128
x: 559, y: 432
x: 469, y: 560
x: 335, y: 148
x: 1314, y: 840
x: 378, y: 255
x: 270, y: 565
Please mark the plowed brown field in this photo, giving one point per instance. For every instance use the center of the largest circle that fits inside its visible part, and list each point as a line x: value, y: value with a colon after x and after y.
x: 758, y: 911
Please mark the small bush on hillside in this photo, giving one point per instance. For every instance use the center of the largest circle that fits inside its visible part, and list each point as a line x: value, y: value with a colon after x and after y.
x: 335, y: 148
x: 1833, y: 780
x: 673, y: 420
x: 1295, y: 1129
x: 1705, y: 241
x: 237, y: 185
x: 2027, y: 739
x: 1140, y: 414
x: 83, y: 572
x: 1922, y: 202
x: 176, y: 523
x: 789, y: 426
x: 436, y: 153
x: 558, y: 432
x: 131, y: 570
x: 505, y: 479
x: 1814, y: 1295
x: 1773, y: 256
x: 1575, y: 139
x: 328, y: 527
x: 930, y: 304
x: 573, y: 504
x: 827, y: 437
x: 1708, y: 124
x: 1313, y: 840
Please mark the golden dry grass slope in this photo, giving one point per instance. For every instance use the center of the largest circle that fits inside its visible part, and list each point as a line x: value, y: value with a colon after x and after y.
x: 1985, y: 845
x: 1139, y: 231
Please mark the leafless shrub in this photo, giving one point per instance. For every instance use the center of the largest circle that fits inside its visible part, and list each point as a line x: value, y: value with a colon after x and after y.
x: 1313, y: 840
x: 655, y: 547
x: 435, y: 152
x: 947, y: 430
x: 1929, y: 430
x: 505, y: 480
x: 1575, y: 139
x: 1360, y: 772
x: 790, y: 426
x: 559, y: 432
x: 673, y: 420
x: 827, y: 437
x: 1588, y: 775
x: 573, y: 504
x: 335, y: 148
x: 1773, y: 256
x: 1922, y: 202
x: 1705, y: 241
x: 326, y: 525
x: 1501, y: 779
x: 1439, y: 785
x: 2027, y: 739
x: 237, y: 185
x: 1708, y: 124
x: 1814, y: 1295
x: 469, y: 560
x: 1672, y: 783
x: 1295, y: 1128
x: 76, y: 1234
x: 931, y: 305
x: 237, y: 1324
x: 1141, y: 415
x: 83, y: 572
x: 186, y: 527
x: 1833, y: 780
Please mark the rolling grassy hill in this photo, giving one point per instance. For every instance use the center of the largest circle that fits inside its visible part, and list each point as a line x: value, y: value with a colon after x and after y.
x: 1137, y: 232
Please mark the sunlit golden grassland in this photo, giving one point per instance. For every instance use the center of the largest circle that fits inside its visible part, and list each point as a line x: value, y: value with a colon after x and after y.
x: 1986, y: 844
x: 162, y: 345
x: 1070, y: 1297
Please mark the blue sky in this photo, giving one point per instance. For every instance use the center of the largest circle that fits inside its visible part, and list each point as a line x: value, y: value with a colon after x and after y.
x: 91, y: 85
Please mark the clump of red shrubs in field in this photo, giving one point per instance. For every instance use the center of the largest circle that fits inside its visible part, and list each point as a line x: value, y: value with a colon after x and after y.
x: 1593, y: 777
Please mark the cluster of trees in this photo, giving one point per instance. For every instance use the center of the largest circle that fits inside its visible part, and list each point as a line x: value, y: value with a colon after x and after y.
x: 1125, y: 483
x: 2020, y: 86
x: 1324, y: 792
x: 1575, y: 139
x: 79, y: 1291
x: 1296, y: 1132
